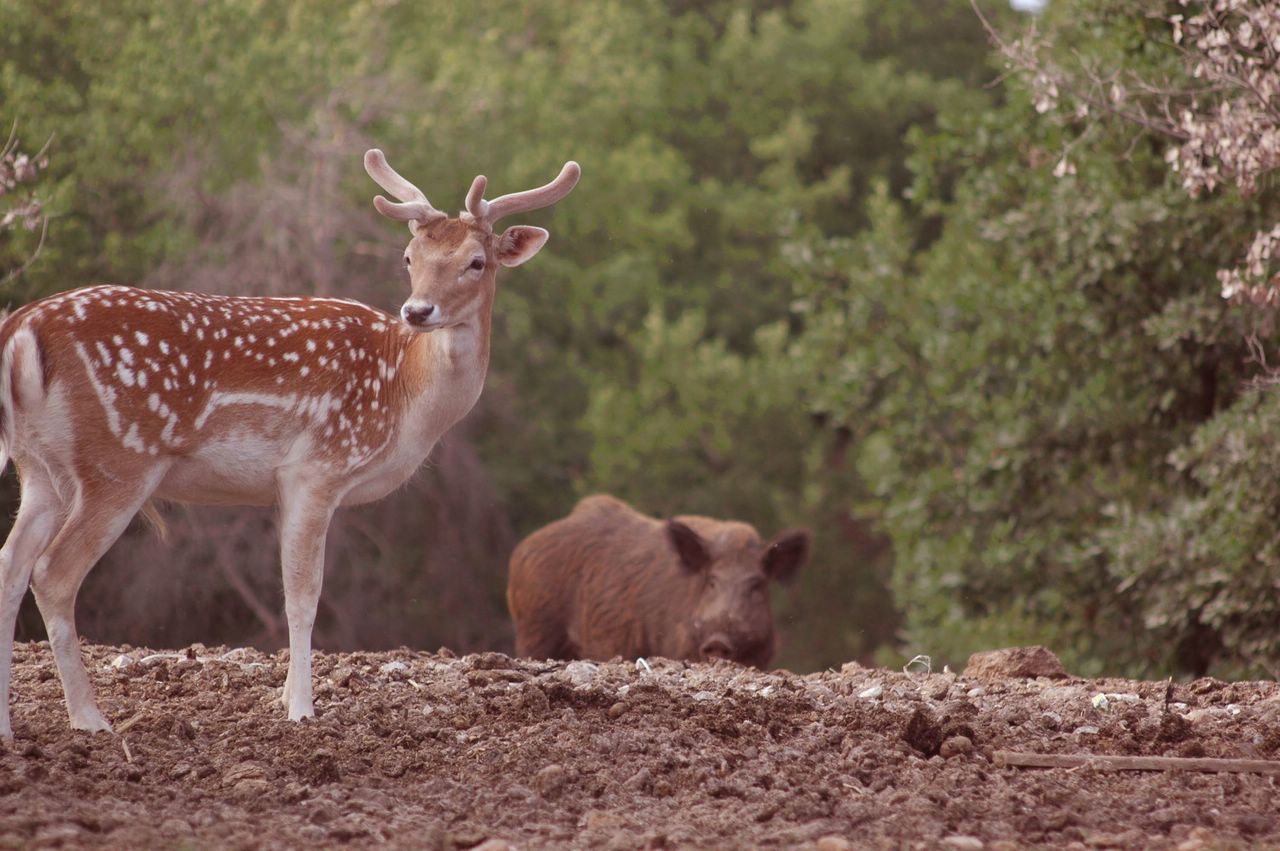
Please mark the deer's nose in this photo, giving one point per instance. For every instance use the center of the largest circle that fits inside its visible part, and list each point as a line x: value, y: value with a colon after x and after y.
x: 418, y: 314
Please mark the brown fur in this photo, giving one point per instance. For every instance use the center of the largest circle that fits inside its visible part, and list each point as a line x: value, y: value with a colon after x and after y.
x: 607, y: 581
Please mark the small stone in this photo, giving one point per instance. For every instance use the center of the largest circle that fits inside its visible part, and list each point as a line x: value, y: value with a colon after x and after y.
x: 56, y: 834
x: 871, y: 692
x: 249, y: 789
x: 394, y: 667
x: 617, y: 711
x: 1199, y: 839
x: 323, y: 812
x: 833, y: 843
x: 494, y: 845
x: 956, y: 746
x: 580, y: 673
x: 176, y: 826
x: 602, y: 820
x: 550, y: 780
x: 638, y: 781
x: 940, y: 687
x: 963, y: 843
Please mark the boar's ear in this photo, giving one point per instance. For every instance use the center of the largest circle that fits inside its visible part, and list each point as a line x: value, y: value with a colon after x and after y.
x: 786, y: 554
x: 689, y: 546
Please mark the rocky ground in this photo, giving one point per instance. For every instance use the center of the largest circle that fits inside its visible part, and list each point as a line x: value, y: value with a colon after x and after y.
x: 421, y: 750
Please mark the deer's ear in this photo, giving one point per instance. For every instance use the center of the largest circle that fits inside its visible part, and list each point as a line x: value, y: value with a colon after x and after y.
x: 518, y: 244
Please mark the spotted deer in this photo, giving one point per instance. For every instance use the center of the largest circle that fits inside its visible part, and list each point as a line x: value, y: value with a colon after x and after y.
x: 112, y: 396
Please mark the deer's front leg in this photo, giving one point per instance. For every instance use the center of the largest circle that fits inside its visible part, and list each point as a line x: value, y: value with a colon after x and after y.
x: 304, y: 521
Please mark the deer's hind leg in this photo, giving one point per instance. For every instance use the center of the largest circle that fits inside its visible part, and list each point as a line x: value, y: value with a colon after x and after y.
x: 100, y: 513
x: 39, y: 514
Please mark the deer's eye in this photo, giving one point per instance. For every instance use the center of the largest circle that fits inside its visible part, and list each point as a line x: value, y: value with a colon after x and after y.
x: 477, y: 264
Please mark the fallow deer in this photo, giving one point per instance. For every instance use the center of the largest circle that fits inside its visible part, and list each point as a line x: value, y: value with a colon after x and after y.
x: 112, y: 396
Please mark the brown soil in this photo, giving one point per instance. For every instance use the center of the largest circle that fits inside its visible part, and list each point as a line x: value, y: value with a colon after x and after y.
x: 421, y: 750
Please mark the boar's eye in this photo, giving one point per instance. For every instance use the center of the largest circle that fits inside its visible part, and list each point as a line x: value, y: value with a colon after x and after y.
x: 757, y: 585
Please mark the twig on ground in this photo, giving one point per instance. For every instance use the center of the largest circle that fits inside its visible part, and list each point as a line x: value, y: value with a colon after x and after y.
x: 1013, y: 759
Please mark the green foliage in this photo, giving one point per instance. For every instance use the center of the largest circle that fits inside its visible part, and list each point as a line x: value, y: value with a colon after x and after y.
x: 1057, y: 345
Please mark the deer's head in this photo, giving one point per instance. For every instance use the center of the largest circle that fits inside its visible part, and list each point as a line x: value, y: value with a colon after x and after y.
x: 453, y: 262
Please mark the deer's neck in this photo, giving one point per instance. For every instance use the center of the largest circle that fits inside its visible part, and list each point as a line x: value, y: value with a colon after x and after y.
x: 444, y: 374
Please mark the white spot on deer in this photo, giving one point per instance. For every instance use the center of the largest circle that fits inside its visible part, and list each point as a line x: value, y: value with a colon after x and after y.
x: 164, y: 347
x: 103, y: 352
x: 141, y: 336
x: 106, y: 393
x: 118, y: 340
x: 142, y: 378
x: 166, y: 436
x: 125, y: 375
x: 311, y: 345
x: 238, y: 342
x: 132, y: 440
x: 221, y: 400
x: 304, y: 370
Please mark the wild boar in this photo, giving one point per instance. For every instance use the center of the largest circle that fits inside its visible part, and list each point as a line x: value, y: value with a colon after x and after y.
x: 609, y: 581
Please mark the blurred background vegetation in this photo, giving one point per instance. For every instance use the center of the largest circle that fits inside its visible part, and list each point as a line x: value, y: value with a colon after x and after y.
x: 824, y: 268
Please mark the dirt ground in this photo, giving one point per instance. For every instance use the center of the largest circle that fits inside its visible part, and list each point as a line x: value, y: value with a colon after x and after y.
x: 421, y: 750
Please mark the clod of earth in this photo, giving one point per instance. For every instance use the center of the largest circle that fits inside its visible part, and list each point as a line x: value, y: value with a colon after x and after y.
x: 1035, y: 661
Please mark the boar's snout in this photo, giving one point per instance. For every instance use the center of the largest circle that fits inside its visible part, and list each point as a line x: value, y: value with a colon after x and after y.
x: 716, y: 647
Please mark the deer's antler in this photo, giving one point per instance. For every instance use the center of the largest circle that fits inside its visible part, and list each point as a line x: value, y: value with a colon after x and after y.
x: 414, y: 209
x: 520, y: 202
